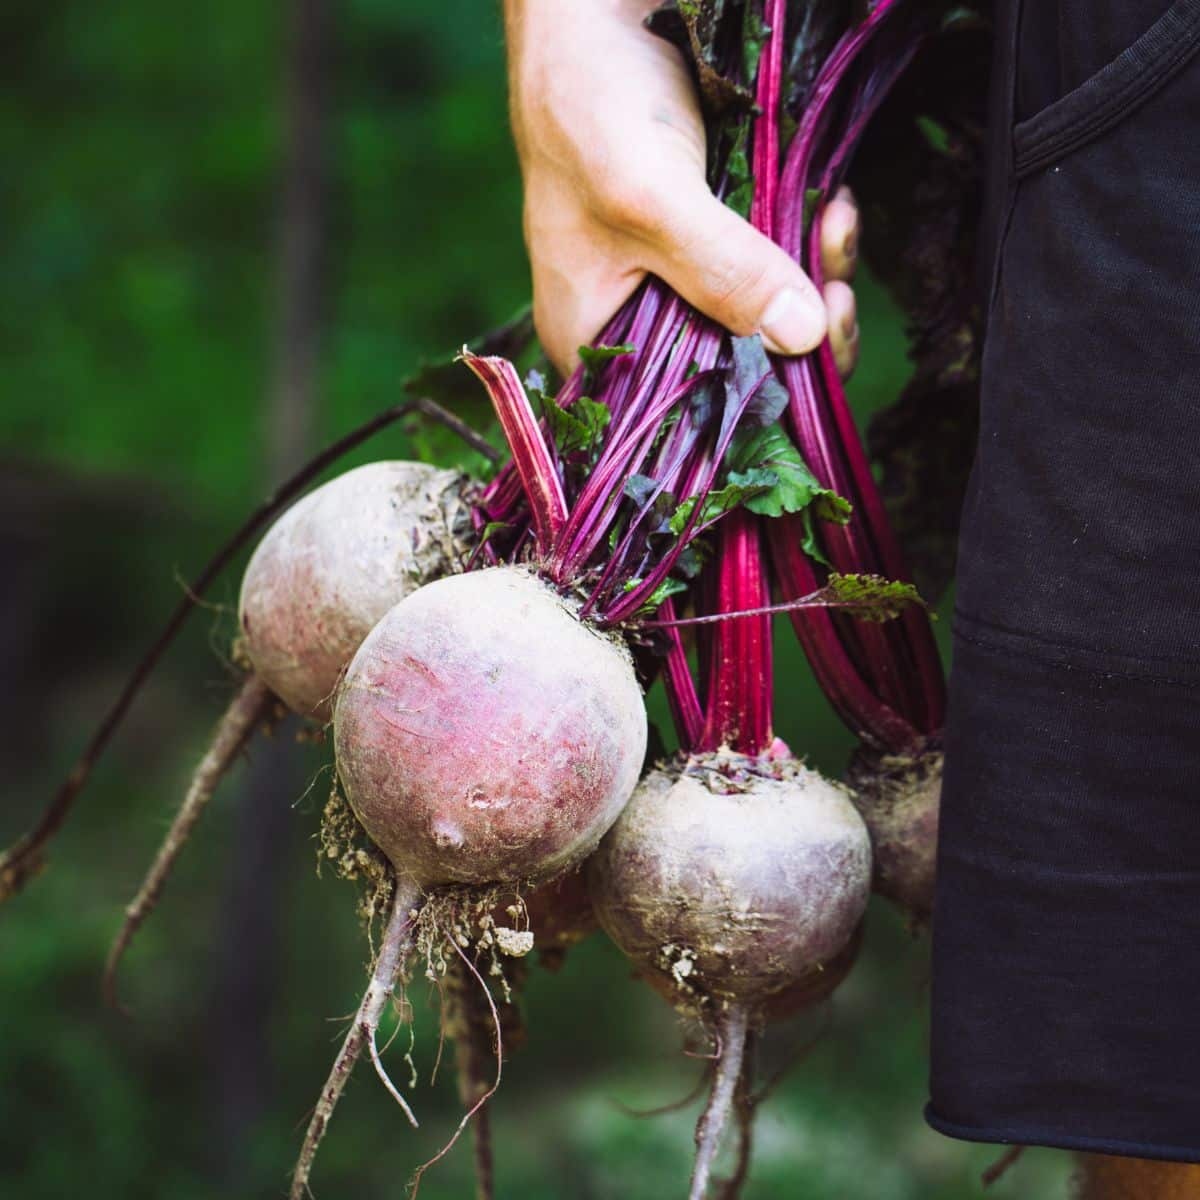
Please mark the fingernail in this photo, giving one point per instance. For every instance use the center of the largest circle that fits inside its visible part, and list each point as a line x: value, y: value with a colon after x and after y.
x: 793, y: 323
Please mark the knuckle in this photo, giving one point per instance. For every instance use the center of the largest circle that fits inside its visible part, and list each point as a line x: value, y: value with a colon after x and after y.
x: 629, y: 206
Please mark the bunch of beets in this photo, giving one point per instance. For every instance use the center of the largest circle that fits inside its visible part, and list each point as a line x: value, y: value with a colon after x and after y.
x: 481, y: 649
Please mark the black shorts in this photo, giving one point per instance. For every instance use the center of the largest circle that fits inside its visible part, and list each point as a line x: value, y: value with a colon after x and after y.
x: 1066, y: 988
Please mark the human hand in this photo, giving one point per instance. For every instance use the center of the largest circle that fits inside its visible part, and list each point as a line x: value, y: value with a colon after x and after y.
x: 611, y: 142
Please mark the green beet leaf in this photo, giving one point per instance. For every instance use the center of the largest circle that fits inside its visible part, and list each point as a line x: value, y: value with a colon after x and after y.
x: 769, y: 451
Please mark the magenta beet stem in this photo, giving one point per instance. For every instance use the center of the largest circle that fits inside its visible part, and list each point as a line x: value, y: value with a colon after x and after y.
x: 739, y: 701
x: 839, y: 678
x: 765, y: 161
x: 680, y: 686
x: 531, y: 456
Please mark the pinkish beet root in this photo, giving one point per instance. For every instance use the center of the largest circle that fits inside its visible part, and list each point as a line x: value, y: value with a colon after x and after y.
x: 335, y: 562
x: 898, y: 797
x: 485, y: 735
x: 739, y: 877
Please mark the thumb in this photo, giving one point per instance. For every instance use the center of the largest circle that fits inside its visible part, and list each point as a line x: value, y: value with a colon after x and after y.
x: 734, y: 274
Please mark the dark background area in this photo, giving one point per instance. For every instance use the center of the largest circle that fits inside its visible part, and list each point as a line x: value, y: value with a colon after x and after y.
x: 228, y: 235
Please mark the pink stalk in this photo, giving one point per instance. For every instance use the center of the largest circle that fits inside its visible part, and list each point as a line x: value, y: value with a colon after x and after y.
x: 681, y: 688
x: 738, y: 712
x: 836, y: 673
x: 623, y: 457
x: 902, y: 661
x: 929, y: 689
x: 765, y: 161
x: 531, y: 455
x: 790, y: 206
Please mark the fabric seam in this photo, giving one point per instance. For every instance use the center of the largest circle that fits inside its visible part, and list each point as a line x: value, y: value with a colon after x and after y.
x: 1106, y: 98
x: 1063, y: 657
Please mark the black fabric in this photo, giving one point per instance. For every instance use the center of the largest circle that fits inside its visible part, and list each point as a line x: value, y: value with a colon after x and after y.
x: 1066, y: 989
x: 1063, y: 43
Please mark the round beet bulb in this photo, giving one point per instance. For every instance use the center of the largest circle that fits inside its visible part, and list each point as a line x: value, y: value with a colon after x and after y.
x: 485, y: 735
x: 738, y: 877
x: 335, y: 562
x: 899, y: 796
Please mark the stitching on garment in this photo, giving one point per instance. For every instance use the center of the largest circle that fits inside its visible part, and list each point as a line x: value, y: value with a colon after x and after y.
x: 1063, y: 660
x: 1088, y: 111
x: 1024, y: 635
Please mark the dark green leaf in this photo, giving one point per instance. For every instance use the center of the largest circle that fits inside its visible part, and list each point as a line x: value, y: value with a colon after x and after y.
x: 873, y: 597
x: 594, y: 358
x: 446, y: 382
x: 795, y: 488
x: 755, y: 32
x: 702, y: 400
x: 964, y: 18
x: 665, y: 590
x: 692, y: 558
x: 934, y: 133
x: 577, y: 428
x: 810, y: 543
x: 740, y: 183
x: 639, y: 489
x: 812, y: 201
x: 489, y: 531
x: 721, y: 500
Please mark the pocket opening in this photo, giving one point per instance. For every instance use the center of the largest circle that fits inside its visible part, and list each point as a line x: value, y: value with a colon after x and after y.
x: 1111, y: 94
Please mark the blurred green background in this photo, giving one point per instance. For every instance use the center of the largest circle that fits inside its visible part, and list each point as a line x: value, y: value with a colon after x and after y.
x: 144, y: 405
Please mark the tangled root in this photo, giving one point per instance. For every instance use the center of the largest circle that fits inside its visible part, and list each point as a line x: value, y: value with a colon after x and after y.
x: 343, y: 843
x: 476, y: 1109
x: 393, y: 950
x: 249, y: 709
x: 467, y: 1021
x: 458, y: 919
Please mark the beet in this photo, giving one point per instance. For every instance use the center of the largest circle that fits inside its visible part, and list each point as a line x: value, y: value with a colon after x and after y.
x: 485, y: 735
x: 335, y: 562
x: 739, y: 887
x: 740, y: 877
x: 899, y: 796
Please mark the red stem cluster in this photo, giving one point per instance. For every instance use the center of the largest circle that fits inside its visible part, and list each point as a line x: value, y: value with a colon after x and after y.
x: 885, y: 681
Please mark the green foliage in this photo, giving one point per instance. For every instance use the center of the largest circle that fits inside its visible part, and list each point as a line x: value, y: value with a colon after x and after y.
x: 740, y: 194
x: 595, y: 357
x: 577, y: 429
x: 768, y: 455
x: 718, y: 501
x: 871, y: 597
x: 813, y: 197
x: 934, y: 133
